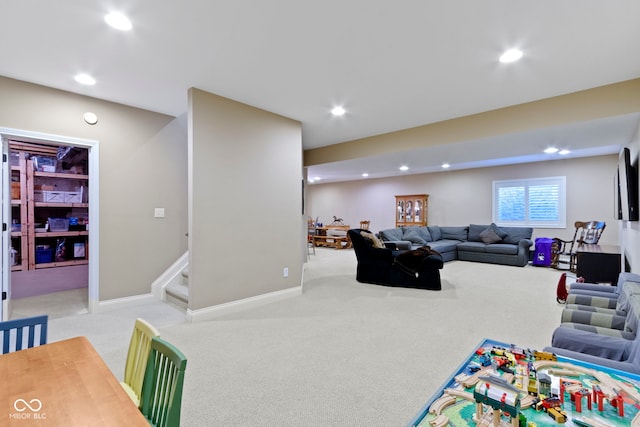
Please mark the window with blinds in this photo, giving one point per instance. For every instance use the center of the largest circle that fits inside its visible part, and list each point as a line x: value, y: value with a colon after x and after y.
x: 534, y: 202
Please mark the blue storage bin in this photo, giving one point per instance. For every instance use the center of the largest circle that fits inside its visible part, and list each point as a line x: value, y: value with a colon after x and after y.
x: 44, y: 256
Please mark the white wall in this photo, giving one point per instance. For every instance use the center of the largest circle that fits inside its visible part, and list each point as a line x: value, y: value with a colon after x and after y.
x: 464, y: 197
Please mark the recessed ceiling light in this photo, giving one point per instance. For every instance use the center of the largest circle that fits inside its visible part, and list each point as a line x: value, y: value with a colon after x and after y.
x: 118, y: 21
x: 365, y: 174
x: 446, y: 166
x: 317, y: 178
x: 564, y: 152
x: 510, y: 55
x: 404, y: 168
x: 85, y: 79
x: 338, y: 111
x: 551, y: 150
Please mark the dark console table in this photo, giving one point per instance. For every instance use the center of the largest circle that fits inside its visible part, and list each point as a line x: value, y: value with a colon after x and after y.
x: 598, y: 263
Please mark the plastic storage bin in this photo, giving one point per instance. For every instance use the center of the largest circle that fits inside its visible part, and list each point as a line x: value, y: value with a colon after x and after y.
x: 58, y: 224
x: 44, y: 255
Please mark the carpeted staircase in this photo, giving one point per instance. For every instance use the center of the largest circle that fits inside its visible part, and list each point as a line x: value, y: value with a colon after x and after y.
x: 178, y: 292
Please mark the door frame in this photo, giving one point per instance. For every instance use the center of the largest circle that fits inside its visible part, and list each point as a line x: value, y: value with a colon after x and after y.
x: 93, y: 147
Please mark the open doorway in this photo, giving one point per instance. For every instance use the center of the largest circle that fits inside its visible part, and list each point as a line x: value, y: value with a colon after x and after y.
x: 50, y: 246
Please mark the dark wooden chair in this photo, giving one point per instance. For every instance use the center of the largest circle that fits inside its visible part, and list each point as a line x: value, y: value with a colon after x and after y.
x: 563, y: 252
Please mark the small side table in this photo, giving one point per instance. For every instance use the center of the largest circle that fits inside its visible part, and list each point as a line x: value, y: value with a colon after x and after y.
x: 598, y: 263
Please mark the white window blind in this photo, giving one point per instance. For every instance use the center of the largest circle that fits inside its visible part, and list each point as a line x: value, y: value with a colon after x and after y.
x: 534, y: 202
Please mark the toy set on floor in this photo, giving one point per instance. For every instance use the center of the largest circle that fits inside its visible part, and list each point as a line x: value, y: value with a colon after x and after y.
x: 505, y: 385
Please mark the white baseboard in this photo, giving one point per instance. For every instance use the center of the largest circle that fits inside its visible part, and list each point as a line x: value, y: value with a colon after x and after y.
x: 215, y: 311
x: 117, y: 303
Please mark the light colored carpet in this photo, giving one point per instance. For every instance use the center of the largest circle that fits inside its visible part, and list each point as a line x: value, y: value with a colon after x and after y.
x: 341, y: 354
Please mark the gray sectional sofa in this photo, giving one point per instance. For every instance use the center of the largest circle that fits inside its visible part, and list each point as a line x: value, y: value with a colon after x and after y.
x: 476, y: 242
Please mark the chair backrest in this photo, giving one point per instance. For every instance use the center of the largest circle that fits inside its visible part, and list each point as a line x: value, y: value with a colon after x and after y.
x: 139, y: 348
x: 364, y: 225
x: 162, y: 386
x: 23, y: 333
x: 589, y: 232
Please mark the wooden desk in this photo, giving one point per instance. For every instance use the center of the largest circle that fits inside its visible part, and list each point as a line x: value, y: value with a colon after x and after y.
x: 65, y: 383
x: 598, y: 263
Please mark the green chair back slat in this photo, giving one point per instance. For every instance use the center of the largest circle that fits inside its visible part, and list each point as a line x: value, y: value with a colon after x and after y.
x: 162, y: 386
x: 137, y: 357
x: 33, y: 327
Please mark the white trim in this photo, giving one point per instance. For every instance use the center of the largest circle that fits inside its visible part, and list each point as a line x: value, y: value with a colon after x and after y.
x: 169, y: 275
x: 243, y: 304
x: 118, y: 303
x: 94, y: 204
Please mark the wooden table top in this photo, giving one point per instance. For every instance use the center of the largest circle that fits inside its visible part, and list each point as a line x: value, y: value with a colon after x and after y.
x: 65, y: 383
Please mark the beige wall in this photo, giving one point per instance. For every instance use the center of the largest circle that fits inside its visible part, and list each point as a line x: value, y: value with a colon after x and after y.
x: 605, y: 101
x: 245, y: 201
x: 143, y: 165
x: 464, y: 197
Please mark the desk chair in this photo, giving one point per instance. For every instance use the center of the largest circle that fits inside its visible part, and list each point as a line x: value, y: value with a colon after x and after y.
x: 162, y: 386
x: 23, y: 333
x: 139, y: 348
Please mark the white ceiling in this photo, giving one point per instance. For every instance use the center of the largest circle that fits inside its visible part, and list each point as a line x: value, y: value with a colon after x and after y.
x: 393, y: 65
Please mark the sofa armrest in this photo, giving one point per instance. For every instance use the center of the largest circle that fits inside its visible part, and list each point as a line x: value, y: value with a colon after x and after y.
x: 525, y: 244
x: 602, y: 346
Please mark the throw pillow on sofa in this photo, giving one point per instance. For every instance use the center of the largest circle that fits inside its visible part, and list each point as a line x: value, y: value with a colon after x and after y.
x: 490, y: 235
x: 435, y: 232
x: 391, y: 234
x: 417, y: 235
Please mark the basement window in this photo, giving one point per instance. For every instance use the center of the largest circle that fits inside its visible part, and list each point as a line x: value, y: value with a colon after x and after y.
x: 533, y: 202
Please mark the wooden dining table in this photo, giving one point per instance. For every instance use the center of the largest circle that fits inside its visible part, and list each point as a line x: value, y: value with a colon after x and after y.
x: 64, y: 383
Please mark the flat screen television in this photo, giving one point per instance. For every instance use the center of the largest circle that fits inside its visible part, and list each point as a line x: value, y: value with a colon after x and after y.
x: 627, y: 198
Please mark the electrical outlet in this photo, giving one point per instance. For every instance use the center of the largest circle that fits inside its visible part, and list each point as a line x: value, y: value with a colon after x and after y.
x: 285, y: 272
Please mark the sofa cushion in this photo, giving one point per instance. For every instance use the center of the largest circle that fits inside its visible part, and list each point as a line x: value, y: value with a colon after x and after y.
x: 444, y: 246
x: 515, y: 234
x: 472, y: 246
x: 417, y: 235
x: 391, y: 234
x: 492, y: 234
x: 455, y: 233
x: 502, y: 248
x: 474, y: 232
x: 435, y: 232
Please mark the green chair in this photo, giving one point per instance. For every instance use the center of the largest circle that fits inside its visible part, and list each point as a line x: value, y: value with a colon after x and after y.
x: 162, y: 386
x: 23, y: 333
x: 137, y: 357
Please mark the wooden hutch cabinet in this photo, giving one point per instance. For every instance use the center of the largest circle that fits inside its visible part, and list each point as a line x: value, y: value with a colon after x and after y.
x: 412, y: 210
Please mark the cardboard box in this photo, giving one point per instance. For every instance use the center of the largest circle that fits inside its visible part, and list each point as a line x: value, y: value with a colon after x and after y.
x: 15, y: 190
x: 38, y: 196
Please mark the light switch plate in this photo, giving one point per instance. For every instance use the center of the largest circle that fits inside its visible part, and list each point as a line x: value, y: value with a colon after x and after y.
x: 158, y: 213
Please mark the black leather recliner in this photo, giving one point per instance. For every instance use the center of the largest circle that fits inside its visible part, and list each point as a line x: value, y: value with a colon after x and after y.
x: 384, y: 266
